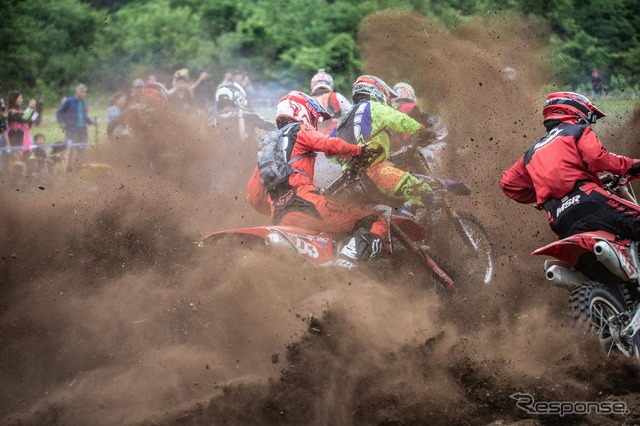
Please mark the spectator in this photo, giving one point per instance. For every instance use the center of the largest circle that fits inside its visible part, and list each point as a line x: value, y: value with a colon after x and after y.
x: 202, y: 92
x: 227, y: 78
x: 181, y: 95
x: 39, y: 110
x: 3, y: 125
x: 116, y: 106
x: 596, y: 84
x: 39, y: 141
x: 247, y: 83
x: 18, y: 121
x: 136, y: 90
x: 73, y: 117
x: 38, y: 164
x: 5, y: 155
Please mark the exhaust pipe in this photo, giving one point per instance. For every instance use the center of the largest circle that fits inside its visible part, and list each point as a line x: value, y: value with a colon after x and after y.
x: 564, y: 278
x: 614, y: 261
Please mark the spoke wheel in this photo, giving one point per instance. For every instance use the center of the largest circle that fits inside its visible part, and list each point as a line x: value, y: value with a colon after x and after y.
x: 466, y: 245
x: 604, y: 309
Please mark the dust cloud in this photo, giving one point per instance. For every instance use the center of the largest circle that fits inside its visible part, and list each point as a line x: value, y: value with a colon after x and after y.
x: 110, y: 313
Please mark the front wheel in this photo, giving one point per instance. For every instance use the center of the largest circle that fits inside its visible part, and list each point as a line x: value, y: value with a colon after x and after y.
x: 605, y: 310
x: 466, y: 244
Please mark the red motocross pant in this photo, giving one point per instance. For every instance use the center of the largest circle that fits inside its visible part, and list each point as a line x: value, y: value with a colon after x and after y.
x: 313, y: 211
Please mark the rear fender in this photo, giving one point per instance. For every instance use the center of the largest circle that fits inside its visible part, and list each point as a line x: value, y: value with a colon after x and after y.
x: 316, y: 247
x: 569, y: 250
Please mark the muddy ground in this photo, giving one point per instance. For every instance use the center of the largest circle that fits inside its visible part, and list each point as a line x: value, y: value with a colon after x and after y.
x: 111, y: 314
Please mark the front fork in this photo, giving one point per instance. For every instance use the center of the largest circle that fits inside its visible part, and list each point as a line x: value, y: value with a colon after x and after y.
x: 632, y: 328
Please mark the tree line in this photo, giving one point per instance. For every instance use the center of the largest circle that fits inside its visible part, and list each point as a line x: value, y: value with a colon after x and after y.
x: 49, y: 46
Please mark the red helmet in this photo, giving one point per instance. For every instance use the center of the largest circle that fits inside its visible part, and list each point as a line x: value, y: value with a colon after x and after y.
x: 156, y: 91
x: 374, y: 87
x: 569, y: 105
x: 300, y: 107
x: 322, y: 80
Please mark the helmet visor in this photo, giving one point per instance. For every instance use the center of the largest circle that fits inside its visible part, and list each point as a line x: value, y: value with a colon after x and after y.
x: 318, y: 108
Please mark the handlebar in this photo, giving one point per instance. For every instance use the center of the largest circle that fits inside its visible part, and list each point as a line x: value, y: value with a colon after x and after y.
x: 619, y: 185
x: 613, y: 182
x: 356, y: 167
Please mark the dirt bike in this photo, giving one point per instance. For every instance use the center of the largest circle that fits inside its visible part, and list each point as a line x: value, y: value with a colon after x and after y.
x: 323, y: 248
x: 458, y: 237
x: 602, y: 273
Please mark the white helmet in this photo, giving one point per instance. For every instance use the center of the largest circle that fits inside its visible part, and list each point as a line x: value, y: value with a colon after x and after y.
x: 404, y: 92
x: 322, y: 80
x: 300, y: 107
x: 231, y: 95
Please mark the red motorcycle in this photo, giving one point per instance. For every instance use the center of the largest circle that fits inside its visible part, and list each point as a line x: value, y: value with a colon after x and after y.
x: 322, y: 248
x: 602, y: 274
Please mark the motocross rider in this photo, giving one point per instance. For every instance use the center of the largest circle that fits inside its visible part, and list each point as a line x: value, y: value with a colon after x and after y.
x: 433, y: 142
x: 333, y: 102
x: 322, y: 90
x: 405, y: 101
x: 297, y: 202
x: 560, y: 173
x: 373, y: 120
x: 233, y: 121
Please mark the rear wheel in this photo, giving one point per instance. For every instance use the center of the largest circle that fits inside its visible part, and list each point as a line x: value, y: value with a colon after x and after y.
x: 605, y: 310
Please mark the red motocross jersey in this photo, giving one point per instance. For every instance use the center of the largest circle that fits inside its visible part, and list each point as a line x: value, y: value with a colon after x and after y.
x: 551, y: 168
x: 308, y: 139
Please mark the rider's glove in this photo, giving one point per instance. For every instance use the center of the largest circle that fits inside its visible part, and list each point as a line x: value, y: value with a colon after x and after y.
x: 635, y: 169
x: 369, y: 151
x: 424, y: 137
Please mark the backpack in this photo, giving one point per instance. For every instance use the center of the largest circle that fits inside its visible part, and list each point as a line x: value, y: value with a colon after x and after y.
x: 273, y: 153
x: 356, y: 124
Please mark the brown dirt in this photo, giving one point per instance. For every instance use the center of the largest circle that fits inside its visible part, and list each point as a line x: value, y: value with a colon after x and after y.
x: 110, y: 314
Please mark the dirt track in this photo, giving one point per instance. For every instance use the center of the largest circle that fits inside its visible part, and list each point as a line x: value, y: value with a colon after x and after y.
x: 110, y: 314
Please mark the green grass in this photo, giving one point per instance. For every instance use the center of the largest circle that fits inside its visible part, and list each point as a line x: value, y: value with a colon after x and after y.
x: 618, y: 111
x: 617, y: 108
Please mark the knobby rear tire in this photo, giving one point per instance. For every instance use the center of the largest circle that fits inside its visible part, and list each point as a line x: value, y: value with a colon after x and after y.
x: 596, y: 306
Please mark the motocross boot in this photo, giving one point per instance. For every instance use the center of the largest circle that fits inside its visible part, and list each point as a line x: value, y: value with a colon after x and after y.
x: 363, y: 246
